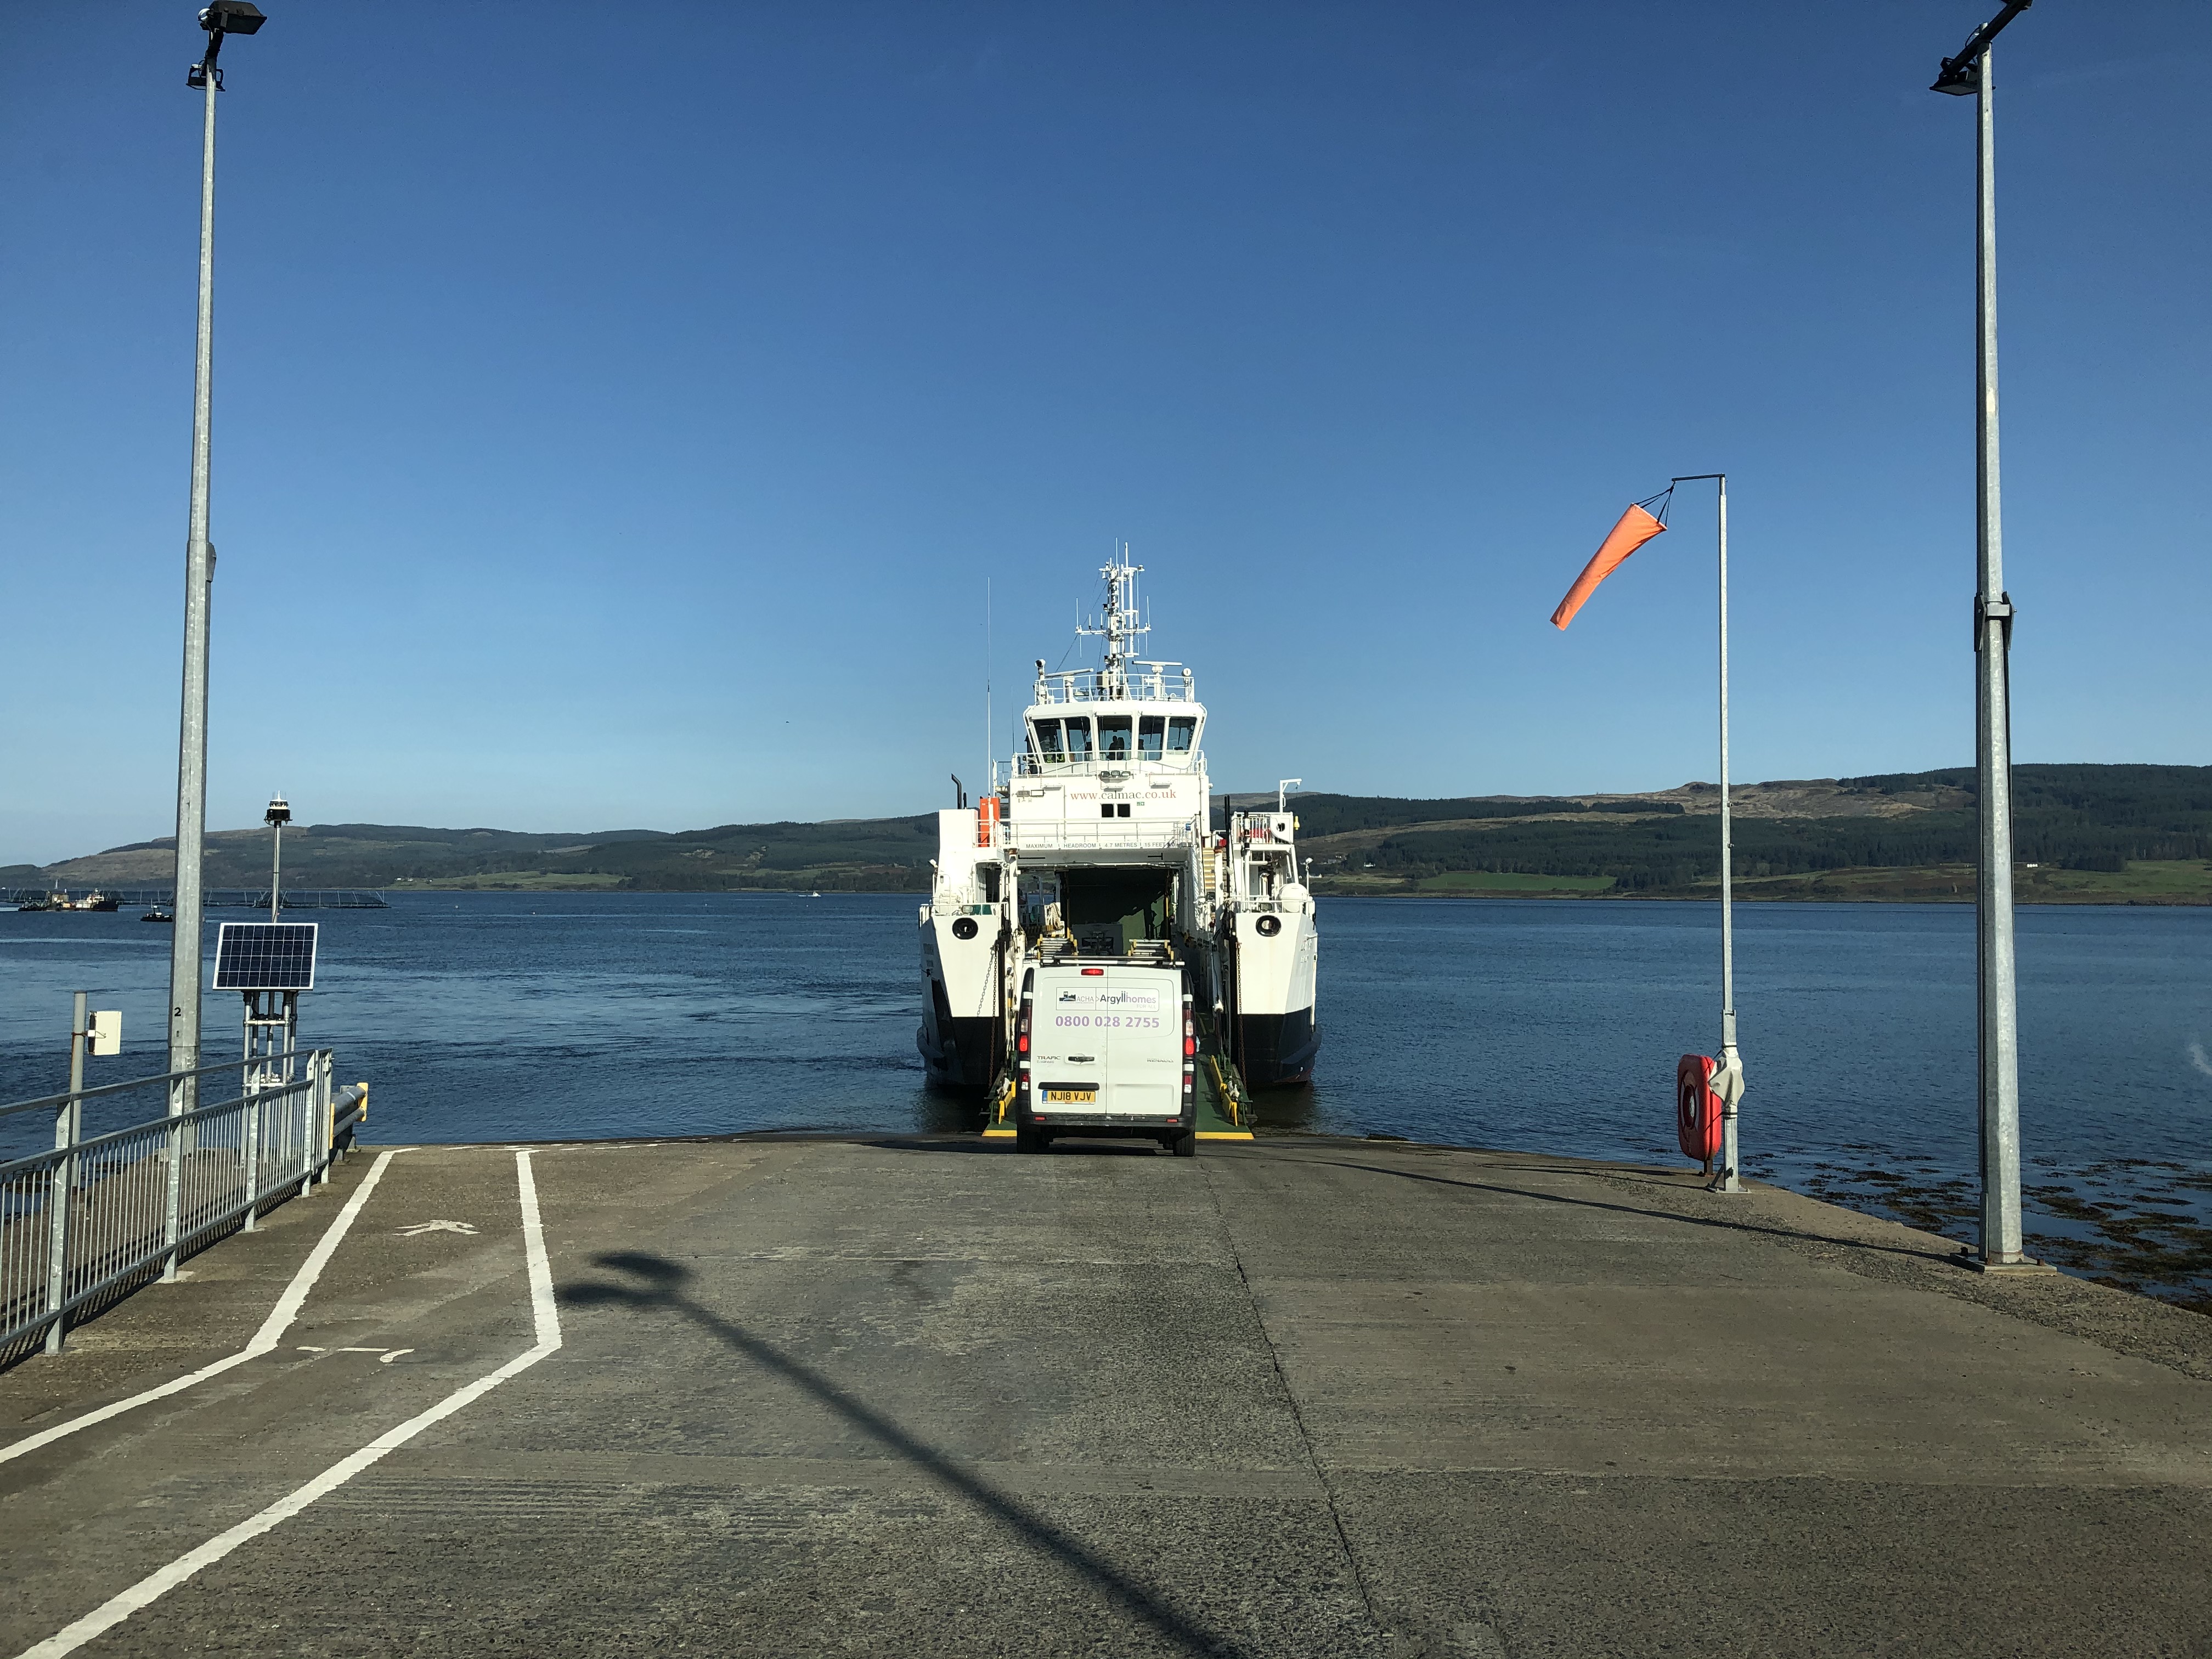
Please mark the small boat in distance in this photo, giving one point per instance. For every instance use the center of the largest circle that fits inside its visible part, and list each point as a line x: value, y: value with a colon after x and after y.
x: 157, y: 913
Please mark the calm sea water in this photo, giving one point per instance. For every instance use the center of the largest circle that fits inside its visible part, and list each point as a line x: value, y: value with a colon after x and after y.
x: 1553, y: 1026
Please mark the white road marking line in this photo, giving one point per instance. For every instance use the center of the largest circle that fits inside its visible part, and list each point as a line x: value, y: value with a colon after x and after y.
x: 422, y: 1227
x: 280, y: 1316
x: 543, y: 1314
x: 394, y: 1354
x: 547, y: 1319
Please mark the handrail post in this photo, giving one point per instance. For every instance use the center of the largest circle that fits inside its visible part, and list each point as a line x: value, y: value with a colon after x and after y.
x: 306, y: 1109
x: 249, y: 1138
x: 175, y: 1153
x: 330, y: 1113
x: 61, y: 1183
x: 314, y: 1110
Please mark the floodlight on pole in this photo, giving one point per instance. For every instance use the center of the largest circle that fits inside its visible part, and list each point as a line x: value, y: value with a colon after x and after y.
x: 1996, y: 985
x: 222, y: 17
x: 1962, y: 77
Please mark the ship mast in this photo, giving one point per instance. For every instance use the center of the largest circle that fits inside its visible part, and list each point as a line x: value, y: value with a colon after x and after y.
x: 1120, y: 627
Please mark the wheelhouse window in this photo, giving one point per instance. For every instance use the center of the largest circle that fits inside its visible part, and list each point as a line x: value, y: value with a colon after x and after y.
x: 1114, y: 737
x: 1078, y: 737
x: 1182, y: 735
x: 1151, y: 732
x: 1045, y: 740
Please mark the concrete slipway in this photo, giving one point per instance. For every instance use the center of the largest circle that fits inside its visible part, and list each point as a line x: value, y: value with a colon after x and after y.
x: 925, y: 1396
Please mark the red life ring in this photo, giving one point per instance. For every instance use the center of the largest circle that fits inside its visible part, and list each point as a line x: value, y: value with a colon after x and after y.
x: 1697, y: 1107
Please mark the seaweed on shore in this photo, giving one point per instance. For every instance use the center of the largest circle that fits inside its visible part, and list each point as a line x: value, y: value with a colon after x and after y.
x: 2138, y: 1225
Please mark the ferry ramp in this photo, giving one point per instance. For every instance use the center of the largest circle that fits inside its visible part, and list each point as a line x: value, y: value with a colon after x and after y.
x: 917, y: 1396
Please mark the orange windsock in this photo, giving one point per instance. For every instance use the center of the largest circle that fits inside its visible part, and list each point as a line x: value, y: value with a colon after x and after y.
x: 1636, y: 528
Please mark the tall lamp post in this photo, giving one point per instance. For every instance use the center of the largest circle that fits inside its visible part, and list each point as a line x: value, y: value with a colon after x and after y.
x: 1997, y: 1027
x: 223, y: 17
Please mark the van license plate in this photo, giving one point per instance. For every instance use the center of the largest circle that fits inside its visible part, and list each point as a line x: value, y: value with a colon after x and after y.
x: 1071, y: 1096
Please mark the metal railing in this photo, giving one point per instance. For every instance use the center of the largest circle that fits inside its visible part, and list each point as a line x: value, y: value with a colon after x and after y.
x: 1051, y: 834
x: 97, y: 1215
x: 1087, y: 685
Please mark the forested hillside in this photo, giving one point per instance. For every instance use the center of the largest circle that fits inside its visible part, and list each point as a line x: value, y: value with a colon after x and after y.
x: 2066, y: 819
x: 2130, y: 832
x: 865, y: 855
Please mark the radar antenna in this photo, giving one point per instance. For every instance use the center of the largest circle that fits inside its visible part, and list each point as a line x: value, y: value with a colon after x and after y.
x: 1121, y: 625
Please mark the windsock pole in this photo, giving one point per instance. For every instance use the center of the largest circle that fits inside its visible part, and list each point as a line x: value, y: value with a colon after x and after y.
x: 1637, y: 525
x: 1729, y: 1181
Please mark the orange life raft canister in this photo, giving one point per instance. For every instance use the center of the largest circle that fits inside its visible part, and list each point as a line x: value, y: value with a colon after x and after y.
x: 1697, y: 1107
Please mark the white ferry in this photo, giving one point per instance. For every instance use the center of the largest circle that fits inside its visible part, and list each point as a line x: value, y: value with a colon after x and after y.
x: 1098, y: 836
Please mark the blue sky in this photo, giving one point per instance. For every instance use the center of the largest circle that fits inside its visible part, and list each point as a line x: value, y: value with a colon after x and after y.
x: 618, y: 422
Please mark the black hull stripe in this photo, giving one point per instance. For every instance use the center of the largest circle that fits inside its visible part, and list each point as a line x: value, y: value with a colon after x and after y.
x: 971, y: 1063
x: 1278, y: 1048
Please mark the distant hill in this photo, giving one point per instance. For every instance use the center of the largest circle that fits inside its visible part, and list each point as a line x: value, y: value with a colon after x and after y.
x: 1811, y: 838
x: 863, y: 854
x: 2090, y: 833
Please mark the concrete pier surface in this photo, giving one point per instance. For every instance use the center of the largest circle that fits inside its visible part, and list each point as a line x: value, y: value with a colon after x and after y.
x: 920, y: 1397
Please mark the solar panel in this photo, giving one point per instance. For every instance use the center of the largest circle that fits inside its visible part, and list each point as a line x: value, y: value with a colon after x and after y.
x: 266, y: 955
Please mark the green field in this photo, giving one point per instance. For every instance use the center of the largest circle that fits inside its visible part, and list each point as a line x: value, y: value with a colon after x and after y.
x: 512, y: 881
x: 2143, y: 881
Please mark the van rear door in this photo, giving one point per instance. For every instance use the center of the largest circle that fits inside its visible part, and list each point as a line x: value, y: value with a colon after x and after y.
x: 1141, y: 1010
x: 1107, y: 1041
x: 1070, y: 1065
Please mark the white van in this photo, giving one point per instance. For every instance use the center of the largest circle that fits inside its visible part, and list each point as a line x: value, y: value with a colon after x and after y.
x: 1105, y: 1047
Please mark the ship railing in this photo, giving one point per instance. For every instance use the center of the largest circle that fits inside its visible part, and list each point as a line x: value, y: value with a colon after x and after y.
x: 1140, y: 688
x: 1029, y: 765
x: 87, y: 1221
x: 1144, y: 835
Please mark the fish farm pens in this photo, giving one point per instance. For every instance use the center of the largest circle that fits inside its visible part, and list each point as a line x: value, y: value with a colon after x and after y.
x: 84, y: 1224
x: 219, y: 898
